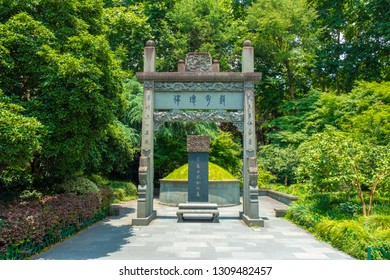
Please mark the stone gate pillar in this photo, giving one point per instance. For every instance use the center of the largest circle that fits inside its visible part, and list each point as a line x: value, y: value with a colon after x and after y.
x: 145, y: 212
x: 250, y: 174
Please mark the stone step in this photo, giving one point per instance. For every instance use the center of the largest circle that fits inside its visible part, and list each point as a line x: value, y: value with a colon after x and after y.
x: 280, y: 211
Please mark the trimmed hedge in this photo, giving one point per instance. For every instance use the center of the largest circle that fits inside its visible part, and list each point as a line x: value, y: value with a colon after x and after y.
x: 27, y: 226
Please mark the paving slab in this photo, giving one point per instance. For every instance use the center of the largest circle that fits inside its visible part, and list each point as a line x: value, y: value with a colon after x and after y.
x: 165, y: 239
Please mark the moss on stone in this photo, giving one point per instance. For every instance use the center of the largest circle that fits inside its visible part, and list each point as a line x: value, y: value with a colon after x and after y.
x: 215, y: 173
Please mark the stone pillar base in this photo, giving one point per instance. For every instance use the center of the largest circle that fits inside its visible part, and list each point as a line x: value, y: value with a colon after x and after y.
x: 144, y: 221
x: 259, y: 222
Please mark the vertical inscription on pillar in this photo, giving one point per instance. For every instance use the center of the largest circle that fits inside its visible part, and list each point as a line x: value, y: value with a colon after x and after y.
x: 249, y: 118
x: 147, y: 117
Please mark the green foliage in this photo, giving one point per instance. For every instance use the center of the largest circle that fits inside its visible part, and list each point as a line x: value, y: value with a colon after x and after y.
x: 198, y: 25
x: 117, y: 149
x: 338, y: 221
x: 59, y: 67
x: 281, y: 162
x: 299, y: 190
x: 215, y: 173
x: 353, y: 31
x: 265, y: 178
x: 122, y: 191
x: 127, y: 31
x: 348, y: 236
x: 77, y: 185
x: 99, y: 180
x: 361, y: 119
x: 171, y: 143
x: 226, y: 153
x: 349, y: 208
x: 22, y: 38
x: 377, y: 223
x: 284, y: 38
x: 333, y: 161
x: 302, y: 215
x: 84, y: 86
x: 323, y: 162
x: 20, y: 136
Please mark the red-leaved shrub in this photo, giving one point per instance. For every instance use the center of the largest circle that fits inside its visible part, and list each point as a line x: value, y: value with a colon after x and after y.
x: 30, y: 221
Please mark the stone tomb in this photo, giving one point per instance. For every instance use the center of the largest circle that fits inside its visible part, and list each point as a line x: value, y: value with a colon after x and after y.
x: 198, y: 193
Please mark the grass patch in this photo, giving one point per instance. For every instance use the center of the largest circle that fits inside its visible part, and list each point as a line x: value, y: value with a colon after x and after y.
x: 215, y: 173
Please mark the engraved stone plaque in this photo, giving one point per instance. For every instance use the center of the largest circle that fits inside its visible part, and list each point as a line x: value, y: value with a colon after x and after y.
x: 198, y: 62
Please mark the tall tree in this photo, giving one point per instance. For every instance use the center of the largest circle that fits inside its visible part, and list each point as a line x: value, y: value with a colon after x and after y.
x: 354, y: 43
x: 59, y: 66
x: 127, y: 30
x: 284, y: 38
x: 197, y: 25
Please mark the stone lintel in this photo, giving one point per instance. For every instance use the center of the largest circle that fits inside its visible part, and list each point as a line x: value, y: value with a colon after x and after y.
x: 198, y: 144
x: 199, y: 76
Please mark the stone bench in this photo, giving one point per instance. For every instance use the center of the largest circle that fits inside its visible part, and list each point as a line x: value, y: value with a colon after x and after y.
x: 196, y: 209
x: 280, y: 211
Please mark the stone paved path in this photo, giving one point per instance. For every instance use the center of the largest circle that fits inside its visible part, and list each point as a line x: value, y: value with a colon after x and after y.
x: 165, y: 239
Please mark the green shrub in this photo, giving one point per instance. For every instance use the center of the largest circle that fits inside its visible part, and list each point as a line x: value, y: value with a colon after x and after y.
x: 265, y: 177
x: 107, y: 196
x: 377, y: 223
x: 383, y: 235
x: 348, y: 235
x: 333, y: 218
x: 98, y: 180
x: 123, y: 191
x: 302, y: 215
x: 78, y: 185
x: 350, y: 208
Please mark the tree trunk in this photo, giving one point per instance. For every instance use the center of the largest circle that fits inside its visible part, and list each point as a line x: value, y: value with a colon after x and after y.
x: 359, y: 188
x: 362, y: 200
x: 372, y: 193
x: 338, y: 62
x: 290, y: 79
x: 3, y: 165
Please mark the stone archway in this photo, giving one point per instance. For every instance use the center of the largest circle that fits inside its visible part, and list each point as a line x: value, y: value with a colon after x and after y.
x: 198, y: 92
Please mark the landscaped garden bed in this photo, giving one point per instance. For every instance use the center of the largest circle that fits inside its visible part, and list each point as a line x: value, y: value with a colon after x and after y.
x: 33, y: 221
x: 338, y: 221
